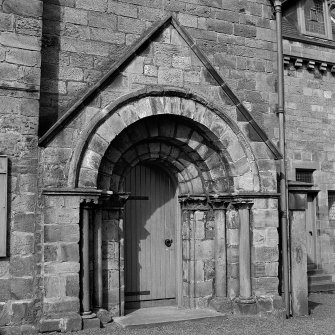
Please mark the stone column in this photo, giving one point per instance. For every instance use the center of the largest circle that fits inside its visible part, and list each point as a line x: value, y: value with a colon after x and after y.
x: 220, y: 253
x: 97, y: 260
x: 244, y: 248
x: 191, y: 275
x: 246, y: 302
x: 85, y: 263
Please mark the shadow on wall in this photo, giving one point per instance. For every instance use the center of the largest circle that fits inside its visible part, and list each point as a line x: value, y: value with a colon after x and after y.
x: 50, y: 63
x: 72, y: 60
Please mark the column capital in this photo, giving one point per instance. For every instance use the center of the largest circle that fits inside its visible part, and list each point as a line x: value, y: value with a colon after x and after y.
x: 241, y: 204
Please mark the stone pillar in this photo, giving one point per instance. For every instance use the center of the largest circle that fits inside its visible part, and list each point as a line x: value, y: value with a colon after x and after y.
x: 85, y: 263
x: 192, y: 260
x: 97, y: 260
x: 244, y: 248
x: 220, y: 253
x: 246, y: 302
x: 299, y: 281
x: 121, y: 260
x: 89, y: 319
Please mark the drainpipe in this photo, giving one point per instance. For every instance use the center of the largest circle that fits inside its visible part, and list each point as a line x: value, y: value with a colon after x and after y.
x: 283, y: 178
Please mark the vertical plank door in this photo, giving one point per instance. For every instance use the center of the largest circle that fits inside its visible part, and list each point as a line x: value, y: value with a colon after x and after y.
x: 150, y: 220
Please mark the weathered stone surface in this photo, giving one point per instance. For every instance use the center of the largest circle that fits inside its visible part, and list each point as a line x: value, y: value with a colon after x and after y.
x: 32, y: 8
x: 4, y: 315
x: 22, y: 288
x: 21, y: 266
x: 63, y: 305
x: 91, y: 323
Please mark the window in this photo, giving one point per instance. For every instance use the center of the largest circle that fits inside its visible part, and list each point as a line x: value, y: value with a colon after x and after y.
x: 3, y: 205
x: 315, y: 18
x: 331, y: 206
x: 304, y: 175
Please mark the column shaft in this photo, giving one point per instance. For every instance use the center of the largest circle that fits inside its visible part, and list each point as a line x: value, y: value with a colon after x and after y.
x: 85, y: 263
x: 220, y: 253
x: 244, y: 248
x: 98, y: 259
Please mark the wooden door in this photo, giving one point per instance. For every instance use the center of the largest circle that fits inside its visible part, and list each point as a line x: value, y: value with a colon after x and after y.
x: 311, y: 231
x: 150, y: 220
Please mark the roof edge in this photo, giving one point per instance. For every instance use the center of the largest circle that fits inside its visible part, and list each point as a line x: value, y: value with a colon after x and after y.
x: 82, y: 102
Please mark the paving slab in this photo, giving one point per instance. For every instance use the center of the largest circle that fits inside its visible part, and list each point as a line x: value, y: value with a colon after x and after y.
x: 154, y: 316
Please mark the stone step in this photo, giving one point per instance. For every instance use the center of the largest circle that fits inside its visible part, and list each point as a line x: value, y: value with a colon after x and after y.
x: 312, y: 272
x: 316, y: 278
x: 321, y: 286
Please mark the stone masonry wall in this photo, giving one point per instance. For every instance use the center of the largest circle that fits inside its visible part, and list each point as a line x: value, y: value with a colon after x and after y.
x: 61, y: 266
x: 310, y: 133
x: 82, y: 38
x: 20, y: 44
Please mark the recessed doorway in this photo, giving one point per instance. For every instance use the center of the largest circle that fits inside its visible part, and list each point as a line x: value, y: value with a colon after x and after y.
x: 150, y: 238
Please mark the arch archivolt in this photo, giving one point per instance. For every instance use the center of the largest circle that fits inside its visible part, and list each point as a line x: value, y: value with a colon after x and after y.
x: 202, y: 146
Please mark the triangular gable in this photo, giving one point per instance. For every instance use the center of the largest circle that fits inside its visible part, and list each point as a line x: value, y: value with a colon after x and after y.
x: 128, y: 56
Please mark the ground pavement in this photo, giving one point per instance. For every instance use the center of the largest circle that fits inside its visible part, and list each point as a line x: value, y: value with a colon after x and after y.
x: 321, y: 321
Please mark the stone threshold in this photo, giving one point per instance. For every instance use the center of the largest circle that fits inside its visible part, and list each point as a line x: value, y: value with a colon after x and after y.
x: 156, y: 316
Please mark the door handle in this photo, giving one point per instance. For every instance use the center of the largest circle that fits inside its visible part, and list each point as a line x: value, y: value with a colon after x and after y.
x: 168, y: 242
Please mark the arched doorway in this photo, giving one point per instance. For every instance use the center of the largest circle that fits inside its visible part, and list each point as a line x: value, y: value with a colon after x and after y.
x: 150, y: 237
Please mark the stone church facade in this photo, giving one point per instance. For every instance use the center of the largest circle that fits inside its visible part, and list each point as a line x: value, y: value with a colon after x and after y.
x: 140, y: 161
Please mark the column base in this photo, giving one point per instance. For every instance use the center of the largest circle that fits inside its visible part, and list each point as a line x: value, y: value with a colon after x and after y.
x: 245, y: 306
x: 104, y: 315
x: 88, y: 315
x: 221, y: 305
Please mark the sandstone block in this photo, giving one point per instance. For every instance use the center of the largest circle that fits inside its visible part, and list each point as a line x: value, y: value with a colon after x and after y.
x: 265, y: 254
x: 69, y: 233
x: 49, y: 325
x: 204, y: 249
x: 69, y: 252
x: 188, y: 20
x: 107, y: 35
x: 150, y: 14
x: 22, y: 312
x: 65, y: 267
x: 9, y: 71
x: 22, y: 288
x: 265, y: 286
x: 95, y: 5
x: 91, y: 323
x: 72, y: 322
x: 71, y: 73
x: 129, y: 25
x: 122, y: 9
x: 6, y: 22
x: 64, y: 305
x: 245, y: 30
x: 76, y: 16
x: 22, y: 244
x: 52, y: 233
x: 220, y: 26
x: 21, y: 266
x: 72, y: 285
x: 203, y: 289
x: 51, y: 252
x: 265, y: 218
x: 4, y: 315
x: 170, y: 76
x: 4, y: 269
x: 4, y: 290
x: 54, y: 286
x: 19, y: 41
x: 25, y: 8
